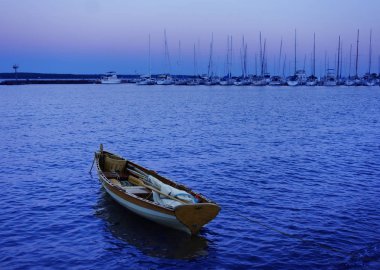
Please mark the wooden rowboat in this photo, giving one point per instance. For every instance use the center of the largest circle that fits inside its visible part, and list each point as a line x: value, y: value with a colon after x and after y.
x: 153, y: 196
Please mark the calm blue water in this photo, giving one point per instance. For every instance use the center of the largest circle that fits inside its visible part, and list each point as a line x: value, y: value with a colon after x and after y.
x: 305, y: 161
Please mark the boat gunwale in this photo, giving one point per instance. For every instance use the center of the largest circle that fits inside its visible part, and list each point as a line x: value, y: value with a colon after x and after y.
x: 163, y: 179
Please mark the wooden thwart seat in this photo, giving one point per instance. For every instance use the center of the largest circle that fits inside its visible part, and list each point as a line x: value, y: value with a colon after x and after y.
x: 136, y: 190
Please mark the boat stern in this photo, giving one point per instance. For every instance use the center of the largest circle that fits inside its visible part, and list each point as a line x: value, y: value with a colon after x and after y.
x: 195, y: 216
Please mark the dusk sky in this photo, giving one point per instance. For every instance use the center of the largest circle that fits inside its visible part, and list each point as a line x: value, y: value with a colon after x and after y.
x: 95, y: 36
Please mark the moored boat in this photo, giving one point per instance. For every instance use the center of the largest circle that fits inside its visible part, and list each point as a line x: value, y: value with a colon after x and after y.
x: 312, y: 81
x: 152, y: 196
x: 292, y: 80
x: 276, y: 81
x: 330, y: 78
x: 349, y: 82
x: 110, y: 78
x: 165, y: 80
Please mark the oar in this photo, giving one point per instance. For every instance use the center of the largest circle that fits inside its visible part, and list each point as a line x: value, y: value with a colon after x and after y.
x: 137, y: 174
x: 140, y: 182
x: 137, y: 170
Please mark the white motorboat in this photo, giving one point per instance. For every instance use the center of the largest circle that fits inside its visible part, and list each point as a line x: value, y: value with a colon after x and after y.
x: 292, y: 80
x: 165, y: 80
x: 330, y: 78
x: 110, y: 78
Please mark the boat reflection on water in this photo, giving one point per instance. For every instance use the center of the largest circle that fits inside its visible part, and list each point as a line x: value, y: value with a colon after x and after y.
x: 149, y: 237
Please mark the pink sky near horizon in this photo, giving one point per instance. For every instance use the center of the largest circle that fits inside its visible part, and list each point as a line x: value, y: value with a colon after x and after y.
x: 89, y: 36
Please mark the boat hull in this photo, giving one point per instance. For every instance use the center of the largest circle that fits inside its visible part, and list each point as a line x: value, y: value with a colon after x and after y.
x: 159, y: 217
x: 111, y: 81
x: 311, y: 83
x: 292, y: 83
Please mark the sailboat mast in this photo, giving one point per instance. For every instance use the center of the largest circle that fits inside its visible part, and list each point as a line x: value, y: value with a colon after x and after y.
x: 194, y: 59
x: 261, y: 58
x: 370, y: 52
x: 314, y: 56
x: 242, y: 57
x: 341, y: 60
x: 357, y: 55
x: 228, y: 56
x: 245, y: 61
x: 264, y: 59
x: 149, y: 59
x: 337, y: 70
x: 167, y: 58
x: 209, y: 68
x: 295, y: 51
x: 349, y: 68
x: 230, y: 66
x: 279, y: 60
x: 179, y: 57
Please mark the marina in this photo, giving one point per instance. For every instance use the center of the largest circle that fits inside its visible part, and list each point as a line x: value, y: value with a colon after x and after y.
x: 185, y: 80
x: 261, y: 77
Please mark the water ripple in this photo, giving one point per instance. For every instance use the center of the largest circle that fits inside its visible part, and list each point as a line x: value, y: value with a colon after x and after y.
x: 303, y: 161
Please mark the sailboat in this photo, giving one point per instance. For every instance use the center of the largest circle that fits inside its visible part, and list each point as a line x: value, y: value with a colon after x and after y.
x: 147, y: 79
x: 312, y: 79
x: 228, y: 80
x: 357, y: 80
x: 210, y: 79
x: 369, y: 79
x: 330, y: 78
x: 260, y: 80
x: 277, y: 79
x: 180, y: 80
x: 166, y: 78
x: 195, y: 80
x: 338, y: 75
x: 349, y: 81
x: 294, y: 80
x: 243, y: 80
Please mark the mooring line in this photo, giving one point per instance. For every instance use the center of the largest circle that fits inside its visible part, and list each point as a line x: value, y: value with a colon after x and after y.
x: 93, y: 161
x: 291, y: 235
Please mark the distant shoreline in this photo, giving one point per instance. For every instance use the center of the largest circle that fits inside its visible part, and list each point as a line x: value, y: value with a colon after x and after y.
x: 300, y: 79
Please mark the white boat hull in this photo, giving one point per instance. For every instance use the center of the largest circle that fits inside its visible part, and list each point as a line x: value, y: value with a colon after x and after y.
x: 110, y: 81
x: 155, y: 216
x: 311, y: 83
x: 349, y: 83
x: 292, y: 83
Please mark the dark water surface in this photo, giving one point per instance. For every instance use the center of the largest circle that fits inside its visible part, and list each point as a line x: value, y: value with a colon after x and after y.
x: 305, y: 161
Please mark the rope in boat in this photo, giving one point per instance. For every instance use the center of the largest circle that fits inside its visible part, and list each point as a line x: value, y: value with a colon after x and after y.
x: 336, y: 250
